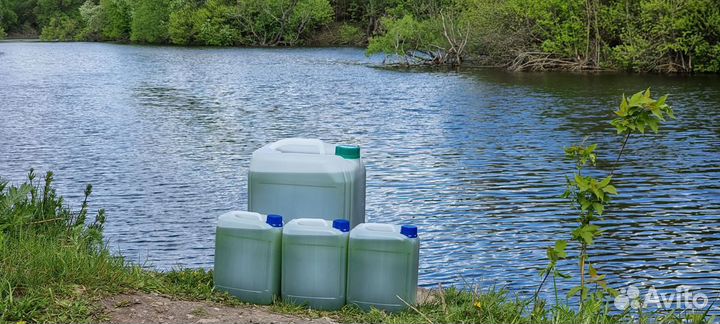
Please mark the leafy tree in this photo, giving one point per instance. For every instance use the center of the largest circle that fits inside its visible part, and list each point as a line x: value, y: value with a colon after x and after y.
x: 61, y: 28
x: 59, y: 10
x: 19, y: 16
x: 149, y: 21
x: 213, y: 24
x: 116, y: 22
x: 559, y: 24
x: 439, y: 38
x: 281, y: 22
x: 93, y: 17
x: 408, y: 38
x: 8, y: 18
x: 350, y: 35
x: 181, y: 25
x: 676, y: 36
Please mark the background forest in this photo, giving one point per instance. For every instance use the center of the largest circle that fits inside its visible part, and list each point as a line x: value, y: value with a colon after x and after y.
x: 633, y: 35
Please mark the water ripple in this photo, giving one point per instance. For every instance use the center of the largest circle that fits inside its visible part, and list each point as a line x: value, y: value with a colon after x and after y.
x: 474, y: 159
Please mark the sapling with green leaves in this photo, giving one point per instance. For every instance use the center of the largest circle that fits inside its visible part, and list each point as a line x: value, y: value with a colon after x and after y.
x: 589, y: 197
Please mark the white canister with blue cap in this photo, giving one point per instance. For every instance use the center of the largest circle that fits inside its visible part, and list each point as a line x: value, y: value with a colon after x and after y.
x: 383, y: 264
x: 314, y: 262
x: 247, y: 256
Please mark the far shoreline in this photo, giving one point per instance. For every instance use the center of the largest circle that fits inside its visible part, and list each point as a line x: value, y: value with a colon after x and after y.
x: 472, y: 65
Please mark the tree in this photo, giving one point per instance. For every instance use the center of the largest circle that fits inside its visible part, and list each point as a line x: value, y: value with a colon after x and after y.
x: 281, y: 22
x: 60, y: 10
x: 116, y: 24
x: 19, y: 16
x: 213, y: 24
x: 93, y: 18
x: 674, y: 36
x: 8, y: 18
x: 149, y: 21
x: 61, y: 28
x: 437, y: 39
x: 181, y: 25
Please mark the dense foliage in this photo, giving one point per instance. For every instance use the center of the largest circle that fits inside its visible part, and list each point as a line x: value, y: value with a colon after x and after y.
x: 635, y: 35
x: 182, y: 22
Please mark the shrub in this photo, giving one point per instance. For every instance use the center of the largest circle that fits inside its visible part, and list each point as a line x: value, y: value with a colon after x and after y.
x: 150, y: 21
x: 8, y: 17
x: 47, y: 10
x: 92, y: 16
x: 116, y: 24
x: 180, y: 26
x: 281, y: 22
x: 673, y: 36
x: 61, y: 28
x: 350, y: 35
x: 409, y: 39
x: 213, y: 24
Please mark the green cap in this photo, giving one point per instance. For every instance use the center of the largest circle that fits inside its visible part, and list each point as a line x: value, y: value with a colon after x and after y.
x: 348, y: 151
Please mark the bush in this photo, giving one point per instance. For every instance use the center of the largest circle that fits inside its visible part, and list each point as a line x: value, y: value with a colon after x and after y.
x: 61, y: 28
x: 282, y: 22
x: 180, y: 26
x: 47, y: 10
x: 8, y: 18
x: 116, y: 24
x: 92, y: 16
x: 409, y: 39
x: 213, y: 24
x: 29, y: 208
x: 150, y: 21
x: 671, y: 36
x: 350, y: 35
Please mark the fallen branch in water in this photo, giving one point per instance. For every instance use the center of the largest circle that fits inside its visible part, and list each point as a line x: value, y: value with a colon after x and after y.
x: 541, y: 61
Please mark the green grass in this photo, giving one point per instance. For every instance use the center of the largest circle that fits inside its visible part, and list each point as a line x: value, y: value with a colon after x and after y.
x: 54, y: 267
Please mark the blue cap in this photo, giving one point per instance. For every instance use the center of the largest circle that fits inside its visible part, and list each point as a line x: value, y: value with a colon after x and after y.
x: 409, y: 231
x: 342, y: 224
x: 274, y: 220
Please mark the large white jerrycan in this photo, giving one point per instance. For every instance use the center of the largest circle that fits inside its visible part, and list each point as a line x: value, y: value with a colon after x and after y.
x: 247, y: 256
x: 383, y: 266
x: 297, y: 177
x: 314, y: 262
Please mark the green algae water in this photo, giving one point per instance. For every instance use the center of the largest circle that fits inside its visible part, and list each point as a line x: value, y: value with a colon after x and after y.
x: 314, y: 264
x: 382, y: 267
x: 247, y: 256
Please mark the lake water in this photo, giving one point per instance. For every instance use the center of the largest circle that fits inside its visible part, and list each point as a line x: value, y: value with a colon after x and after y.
x: 473, y: 158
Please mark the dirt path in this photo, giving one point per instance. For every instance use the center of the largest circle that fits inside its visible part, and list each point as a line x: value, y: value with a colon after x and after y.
x: 150, y: 308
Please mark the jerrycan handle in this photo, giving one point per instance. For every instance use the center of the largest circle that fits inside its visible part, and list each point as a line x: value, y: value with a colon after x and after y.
x: 299, y: 145
x: 314, y: 222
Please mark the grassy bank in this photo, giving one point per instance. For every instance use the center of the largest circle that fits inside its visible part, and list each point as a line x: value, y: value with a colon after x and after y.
x: 54, y: 267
